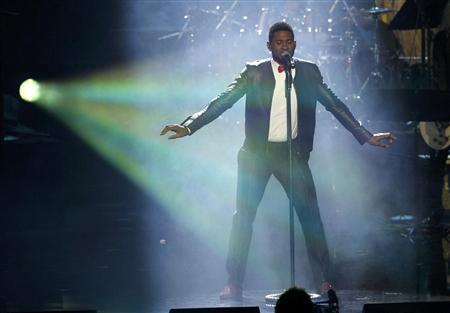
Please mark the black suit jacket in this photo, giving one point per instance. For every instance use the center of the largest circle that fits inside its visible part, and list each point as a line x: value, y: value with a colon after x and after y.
x: 257, y: 82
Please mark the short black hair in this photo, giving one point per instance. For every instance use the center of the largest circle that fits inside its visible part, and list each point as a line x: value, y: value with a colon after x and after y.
x: 294, y: 300
x: 280, y: 26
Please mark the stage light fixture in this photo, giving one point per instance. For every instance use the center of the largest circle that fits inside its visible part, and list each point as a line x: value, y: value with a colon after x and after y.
x: 30, y: 90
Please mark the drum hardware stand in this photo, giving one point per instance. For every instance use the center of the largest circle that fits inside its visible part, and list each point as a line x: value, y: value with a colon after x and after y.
x: 416, y: 233
x: 350, y: 73
x: 375, y: 76
x: 427, y: 37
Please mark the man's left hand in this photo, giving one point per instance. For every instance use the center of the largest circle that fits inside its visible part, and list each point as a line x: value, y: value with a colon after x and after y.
x: 381, y: 140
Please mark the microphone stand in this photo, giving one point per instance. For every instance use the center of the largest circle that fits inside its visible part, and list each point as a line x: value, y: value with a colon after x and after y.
x: 288, y: 88
x: 287, y: 63
x: 333, y: 306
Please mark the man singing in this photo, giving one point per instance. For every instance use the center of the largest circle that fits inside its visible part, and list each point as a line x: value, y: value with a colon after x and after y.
x: 265, y: 149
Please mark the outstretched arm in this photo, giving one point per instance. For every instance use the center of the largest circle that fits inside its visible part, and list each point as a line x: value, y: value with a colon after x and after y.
x: 333, y: 104
x: 212, y: 111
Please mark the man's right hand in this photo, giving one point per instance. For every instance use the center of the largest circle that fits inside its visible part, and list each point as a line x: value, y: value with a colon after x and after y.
x: 180, y: 131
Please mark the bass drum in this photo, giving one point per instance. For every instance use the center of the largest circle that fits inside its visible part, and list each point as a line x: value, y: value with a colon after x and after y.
x: 435, y: 134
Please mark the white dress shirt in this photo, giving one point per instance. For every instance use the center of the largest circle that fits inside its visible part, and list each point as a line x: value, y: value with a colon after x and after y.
x: 277, y: 127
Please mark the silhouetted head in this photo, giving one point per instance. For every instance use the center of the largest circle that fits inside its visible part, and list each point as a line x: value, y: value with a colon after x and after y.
x: 294, y: 300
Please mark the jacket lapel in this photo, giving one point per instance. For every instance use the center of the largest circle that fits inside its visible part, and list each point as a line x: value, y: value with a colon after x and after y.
x: 300, y: 77
x: 267, y: 83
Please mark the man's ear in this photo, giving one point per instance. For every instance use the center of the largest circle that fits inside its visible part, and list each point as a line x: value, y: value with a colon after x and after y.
x: 269, y: 46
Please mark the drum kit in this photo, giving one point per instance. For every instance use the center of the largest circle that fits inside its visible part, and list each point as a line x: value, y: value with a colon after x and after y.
x: 341, y: 39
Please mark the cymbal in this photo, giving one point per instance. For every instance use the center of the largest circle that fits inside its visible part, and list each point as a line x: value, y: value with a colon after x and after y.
x: 377, y: 10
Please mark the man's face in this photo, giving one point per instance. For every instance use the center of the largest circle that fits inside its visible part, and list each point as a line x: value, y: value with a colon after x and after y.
x: 282, y: 41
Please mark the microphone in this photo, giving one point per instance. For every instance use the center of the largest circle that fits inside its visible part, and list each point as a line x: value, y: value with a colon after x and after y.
x: 287, y: 59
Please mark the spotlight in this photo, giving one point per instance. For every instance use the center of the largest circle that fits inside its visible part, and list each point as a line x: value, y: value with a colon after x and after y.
x: 30, y: 90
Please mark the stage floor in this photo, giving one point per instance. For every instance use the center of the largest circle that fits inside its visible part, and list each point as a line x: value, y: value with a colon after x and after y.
x: 350, y: 301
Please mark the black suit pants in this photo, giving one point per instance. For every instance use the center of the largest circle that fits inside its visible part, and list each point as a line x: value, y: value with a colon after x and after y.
x: 254, y: 171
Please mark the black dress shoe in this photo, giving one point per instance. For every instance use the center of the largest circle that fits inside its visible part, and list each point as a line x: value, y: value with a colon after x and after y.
x: 231, y: 293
